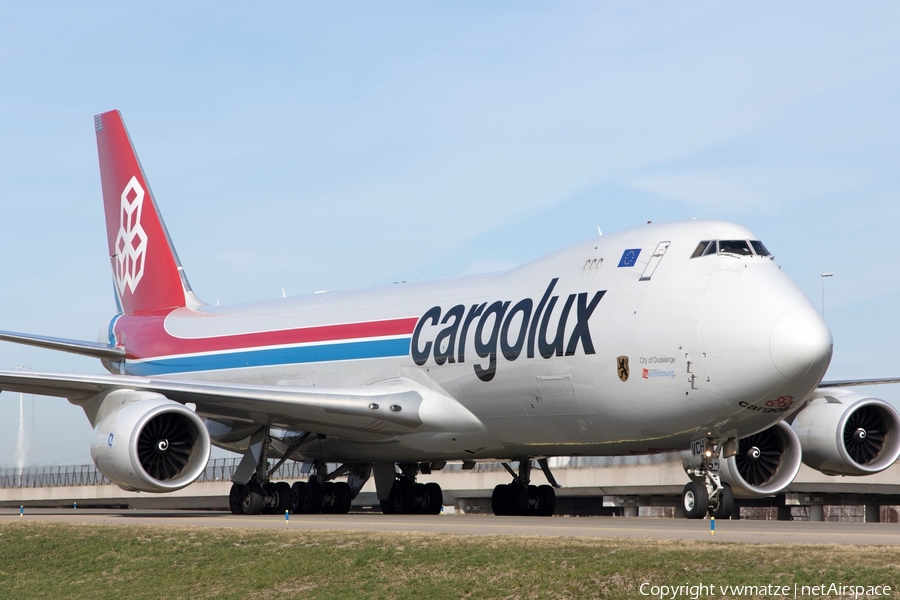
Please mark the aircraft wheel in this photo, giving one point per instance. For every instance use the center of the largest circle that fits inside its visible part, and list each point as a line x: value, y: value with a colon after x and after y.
x: 235, y: 499
x: 311, y: 498
x: 519, y: 498
x: 296, y: 492
x: 386, y: 507
x: 343, y: 498
x: 534, y: 501
x: 268, y: 493
x: 402, y: 498
x: 329, y: 498
x: 694, y: 501
x: 499, y: 501
x: 252, y: 499
x: 548, y: 501
x: 725, y: 508
x: 434, y: 499
x: 281, y: 498
x: 419, y: 499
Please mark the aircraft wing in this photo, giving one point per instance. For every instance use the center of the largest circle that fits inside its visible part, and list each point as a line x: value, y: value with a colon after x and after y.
x: 92, y: 349
x: 399, y: 406
x: 856, y: 382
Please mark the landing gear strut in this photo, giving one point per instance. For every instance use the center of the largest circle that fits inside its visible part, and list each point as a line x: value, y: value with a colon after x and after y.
x: 408, y: 497
x: 706, y: 493
x: 522, y: 498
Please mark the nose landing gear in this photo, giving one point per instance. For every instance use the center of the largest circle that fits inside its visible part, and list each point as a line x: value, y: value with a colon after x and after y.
x: 706, y: 493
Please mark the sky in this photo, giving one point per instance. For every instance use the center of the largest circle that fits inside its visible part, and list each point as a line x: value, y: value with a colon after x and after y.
x: 313, y: 146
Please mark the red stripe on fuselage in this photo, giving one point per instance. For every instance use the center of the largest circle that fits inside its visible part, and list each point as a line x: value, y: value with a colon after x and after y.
x: 145, y: 336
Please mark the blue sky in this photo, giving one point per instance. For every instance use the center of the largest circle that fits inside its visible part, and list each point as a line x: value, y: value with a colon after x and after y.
x: 327, y: 146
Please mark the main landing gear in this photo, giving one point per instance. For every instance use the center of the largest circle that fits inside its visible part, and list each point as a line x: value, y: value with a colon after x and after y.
x: 408, y: 497
x: 319, y: 494
x: 522, y: 498
x: 706, y: 493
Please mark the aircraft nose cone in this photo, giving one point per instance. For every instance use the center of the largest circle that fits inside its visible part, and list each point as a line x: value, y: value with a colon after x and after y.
x: 801, y: 344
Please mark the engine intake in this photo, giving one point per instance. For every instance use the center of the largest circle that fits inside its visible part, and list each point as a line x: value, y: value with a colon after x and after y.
x: 845, y: 433
x: 765, y: 464
x: 150, y: 443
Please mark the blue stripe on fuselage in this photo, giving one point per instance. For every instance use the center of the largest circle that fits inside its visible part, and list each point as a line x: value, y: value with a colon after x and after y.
x: 270, y: 357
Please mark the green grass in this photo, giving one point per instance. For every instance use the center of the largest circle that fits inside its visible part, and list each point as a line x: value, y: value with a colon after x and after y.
x: 47, y: 560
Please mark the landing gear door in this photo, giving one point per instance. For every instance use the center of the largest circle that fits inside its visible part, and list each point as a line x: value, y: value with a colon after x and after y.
x: 654, y: 260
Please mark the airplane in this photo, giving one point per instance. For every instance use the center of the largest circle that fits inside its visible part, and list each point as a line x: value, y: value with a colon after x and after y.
x: 683, y: 336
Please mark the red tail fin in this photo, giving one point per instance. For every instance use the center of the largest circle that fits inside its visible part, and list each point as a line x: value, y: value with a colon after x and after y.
x: 146, y: 269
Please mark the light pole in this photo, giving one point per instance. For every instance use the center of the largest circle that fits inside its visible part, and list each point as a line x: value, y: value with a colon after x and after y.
x: 824, y: 276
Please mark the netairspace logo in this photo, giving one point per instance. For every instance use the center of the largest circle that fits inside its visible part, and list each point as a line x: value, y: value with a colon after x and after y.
x: 695, y: 592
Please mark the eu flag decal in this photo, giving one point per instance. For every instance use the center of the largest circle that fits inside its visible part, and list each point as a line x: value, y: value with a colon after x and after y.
x: 629, y: 257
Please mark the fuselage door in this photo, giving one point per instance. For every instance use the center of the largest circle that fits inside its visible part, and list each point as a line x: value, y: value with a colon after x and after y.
x: 654, y: 261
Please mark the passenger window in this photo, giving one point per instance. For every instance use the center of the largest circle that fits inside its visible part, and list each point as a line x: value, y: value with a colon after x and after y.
x: 701, y: 248
x: 734, y: 247
x: 759, y: 248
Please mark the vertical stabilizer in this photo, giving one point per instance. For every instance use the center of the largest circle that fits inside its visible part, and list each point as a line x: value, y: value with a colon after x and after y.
x: 146, y: 270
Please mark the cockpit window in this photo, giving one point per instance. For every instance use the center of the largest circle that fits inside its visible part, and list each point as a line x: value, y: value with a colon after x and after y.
x: 759, y: 248
x: 734, y: 247
x: 738, y: 247
x: 701, y: 249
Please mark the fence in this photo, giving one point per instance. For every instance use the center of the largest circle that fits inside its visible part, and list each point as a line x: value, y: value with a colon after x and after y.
x: 221, y: 469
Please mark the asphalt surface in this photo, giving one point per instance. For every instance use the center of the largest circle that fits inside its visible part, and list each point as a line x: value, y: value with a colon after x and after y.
x: 788, y: 532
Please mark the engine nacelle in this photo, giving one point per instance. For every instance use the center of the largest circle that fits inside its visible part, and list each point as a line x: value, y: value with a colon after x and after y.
x: 845, y: 433
x: 765, y: 464
x: 150, y: 443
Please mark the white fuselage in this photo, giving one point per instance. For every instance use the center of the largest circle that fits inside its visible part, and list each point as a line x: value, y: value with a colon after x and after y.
x: 722, y: 344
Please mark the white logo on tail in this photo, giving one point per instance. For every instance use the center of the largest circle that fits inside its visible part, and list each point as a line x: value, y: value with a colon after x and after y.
x: 131, y: 241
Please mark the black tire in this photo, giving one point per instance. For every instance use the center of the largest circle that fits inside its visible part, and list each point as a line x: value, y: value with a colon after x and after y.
x: 329, y: 498
x: 694, y: 501
x: 344, y: 497
x: 548, y: 501
x: 282, y: 500
x: 519, y: 498
x: 499, y: 502
x: 434, y: 499
x: 386, y: 507
x: 419, y: 499
x: 252, y: 499
x: 533, y: 504
x: 235, y: 499
x: 311, y: 498
x: 725, y: 508
x: 268, y: 492
x: 402, y: 498
x: 296, y: 492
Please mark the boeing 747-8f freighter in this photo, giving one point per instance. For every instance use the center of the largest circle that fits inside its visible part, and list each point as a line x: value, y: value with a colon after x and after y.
x: 684, y: 335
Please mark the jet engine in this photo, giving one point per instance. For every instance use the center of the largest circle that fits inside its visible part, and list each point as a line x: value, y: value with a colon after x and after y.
x: 766, y: 462
x: 150, y: 444
x: 845, y: 433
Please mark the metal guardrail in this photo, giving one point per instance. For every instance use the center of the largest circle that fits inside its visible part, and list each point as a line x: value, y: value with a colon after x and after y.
x: 221, y: 469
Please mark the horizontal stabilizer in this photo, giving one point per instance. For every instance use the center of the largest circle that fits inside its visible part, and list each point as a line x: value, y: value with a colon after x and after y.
x: 92, y: 349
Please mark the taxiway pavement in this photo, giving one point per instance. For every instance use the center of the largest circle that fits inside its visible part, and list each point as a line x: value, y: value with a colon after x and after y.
x: 788, y: 532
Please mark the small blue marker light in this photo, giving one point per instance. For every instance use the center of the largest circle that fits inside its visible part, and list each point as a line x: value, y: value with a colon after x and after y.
x: 287, y: 516
x: 75, y: 506
x: 712, y: 526
x: 21, y: 511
